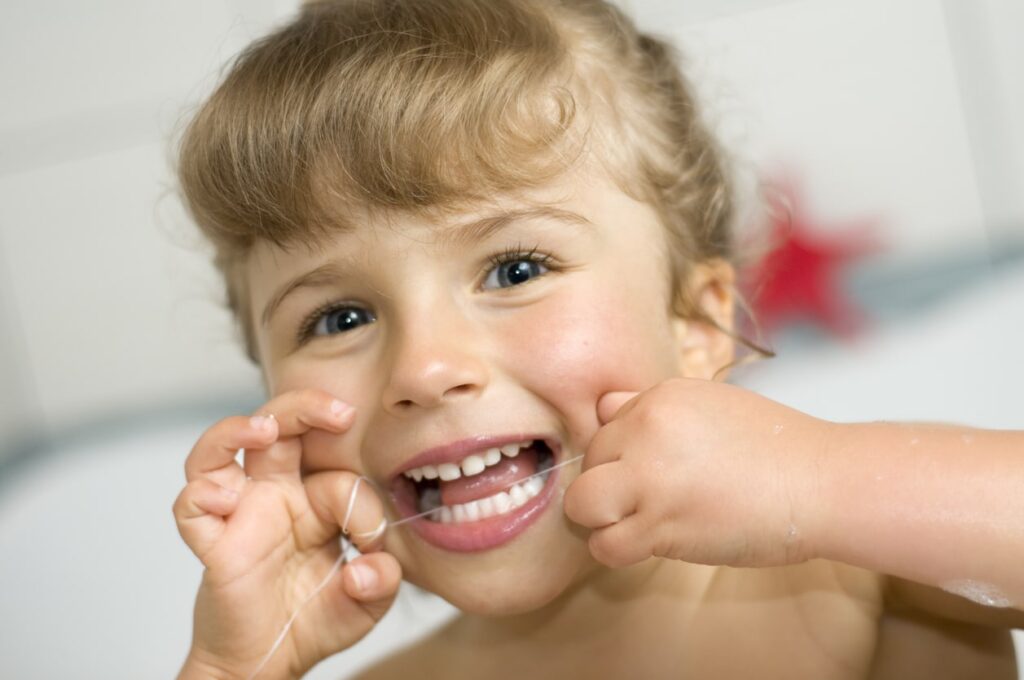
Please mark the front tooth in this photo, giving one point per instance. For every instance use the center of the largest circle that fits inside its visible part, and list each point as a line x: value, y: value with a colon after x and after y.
x: 472, y: 510
x: 518, y: 496
x: 510, y: 450
x: 473, y: 465
x: 458, y: 513
x: 446, y: 515
x: 429, y: 471
x: 486, y: 506
x: 448, y: 471
x: 492, y: 456
x: 502, y: 503
x: 417, y: 474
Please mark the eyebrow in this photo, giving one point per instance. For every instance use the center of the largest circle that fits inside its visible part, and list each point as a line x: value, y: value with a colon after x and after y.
x: 470, y: 232
x: 480, y: 229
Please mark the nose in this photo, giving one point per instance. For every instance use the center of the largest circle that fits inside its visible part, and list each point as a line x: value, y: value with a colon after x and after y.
x: 433, y: 362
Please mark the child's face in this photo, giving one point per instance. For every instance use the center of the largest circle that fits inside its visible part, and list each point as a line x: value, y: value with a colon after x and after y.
x: 434, y: 344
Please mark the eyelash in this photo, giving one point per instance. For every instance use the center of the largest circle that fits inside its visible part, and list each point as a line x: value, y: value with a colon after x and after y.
x: 310, y: 322
x: 516, y: 254
x: 511, y: 254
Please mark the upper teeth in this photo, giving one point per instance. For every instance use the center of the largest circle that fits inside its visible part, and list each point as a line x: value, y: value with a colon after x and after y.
x: 472, y: 464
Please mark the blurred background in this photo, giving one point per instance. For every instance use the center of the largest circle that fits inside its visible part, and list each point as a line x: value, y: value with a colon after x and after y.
x: 891, y: 121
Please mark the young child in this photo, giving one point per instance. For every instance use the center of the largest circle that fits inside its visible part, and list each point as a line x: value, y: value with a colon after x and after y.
x: 470, y: 241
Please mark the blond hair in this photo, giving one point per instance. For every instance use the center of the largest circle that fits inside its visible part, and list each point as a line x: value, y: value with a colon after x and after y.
x: 418, y: 105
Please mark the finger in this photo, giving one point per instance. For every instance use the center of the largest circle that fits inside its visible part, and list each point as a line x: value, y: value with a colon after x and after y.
x: 610, y: 404
x: 606, y: 446
x: 298, y: 411
x: 621, y: 544
x: 199, y: 511
x: 345, y: 500
x: 600, y: 497
x: 214, y: 453
x: 372, y: 580
x: 293, y: 414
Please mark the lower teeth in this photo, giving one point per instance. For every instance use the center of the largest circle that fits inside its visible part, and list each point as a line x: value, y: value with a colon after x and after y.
x: 500, y: 503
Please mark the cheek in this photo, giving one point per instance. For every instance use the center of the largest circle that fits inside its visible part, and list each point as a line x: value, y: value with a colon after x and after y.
x: 581, y: 346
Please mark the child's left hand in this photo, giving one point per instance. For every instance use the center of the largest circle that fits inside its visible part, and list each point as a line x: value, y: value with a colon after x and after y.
x: 699, y: 471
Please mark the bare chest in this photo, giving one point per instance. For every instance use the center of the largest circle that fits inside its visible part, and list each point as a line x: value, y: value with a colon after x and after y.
x: 806, y: 622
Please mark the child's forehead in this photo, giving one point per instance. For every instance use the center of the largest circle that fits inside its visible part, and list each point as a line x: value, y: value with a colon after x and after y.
x: 569, y: 199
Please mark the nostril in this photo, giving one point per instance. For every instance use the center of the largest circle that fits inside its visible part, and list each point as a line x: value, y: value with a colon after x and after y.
x: 430, y: 384
x: 458, y: 390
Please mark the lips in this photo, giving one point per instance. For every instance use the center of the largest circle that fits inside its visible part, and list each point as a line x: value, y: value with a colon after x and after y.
x: 477, y: 502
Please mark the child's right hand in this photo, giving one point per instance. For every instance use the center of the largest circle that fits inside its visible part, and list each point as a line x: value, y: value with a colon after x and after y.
x: 267, y: 538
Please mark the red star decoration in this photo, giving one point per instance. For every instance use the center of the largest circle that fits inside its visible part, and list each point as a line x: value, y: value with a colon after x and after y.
x: 799, y: 279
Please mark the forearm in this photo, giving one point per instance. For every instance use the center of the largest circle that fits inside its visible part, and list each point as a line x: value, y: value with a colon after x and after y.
x: 935, y: 504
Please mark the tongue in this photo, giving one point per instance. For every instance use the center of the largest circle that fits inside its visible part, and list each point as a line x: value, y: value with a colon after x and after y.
x: 495, y: 478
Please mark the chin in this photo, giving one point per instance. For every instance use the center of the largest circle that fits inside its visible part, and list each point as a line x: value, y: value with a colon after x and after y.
x: 507, y: 599
x: 508, y: 583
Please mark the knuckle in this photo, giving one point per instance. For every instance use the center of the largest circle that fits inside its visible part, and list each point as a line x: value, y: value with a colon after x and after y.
x: 577, y: 500
x: 571, y: 505
x: 313, y: 398
x: 186, y: 498
x: 179, y: 503
x: 602, y: 548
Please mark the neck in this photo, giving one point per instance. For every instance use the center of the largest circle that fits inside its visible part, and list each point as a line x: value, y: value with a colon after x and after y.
x: 652, y: 599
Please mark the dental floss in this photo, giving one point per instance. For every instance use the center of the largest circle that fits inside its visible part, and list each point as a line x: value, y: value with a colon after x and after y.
x: 351, y: 504
x: 537, y: 474
x: 372, y: 536
x: 280, y: 638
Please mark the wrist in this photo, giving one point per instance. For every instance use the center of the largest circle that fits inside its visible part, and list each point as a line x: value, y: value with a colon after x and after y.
x: 820, y: 496
x: 195, y: 669
x: 199, y: 667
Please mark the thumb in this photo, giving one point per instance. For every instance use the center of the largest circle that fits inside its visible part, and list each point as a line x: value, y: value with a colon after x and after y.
x: 609, y: 404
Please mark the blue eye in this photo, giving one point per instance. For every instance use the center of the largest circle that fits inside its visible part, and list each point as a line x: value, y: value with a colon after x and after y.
x: 515, y: 272
x: 335, y: 320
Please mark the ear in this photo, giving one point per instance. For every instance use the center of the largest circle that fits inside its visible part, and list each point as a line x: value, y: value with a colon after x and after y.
x: 703, y: 348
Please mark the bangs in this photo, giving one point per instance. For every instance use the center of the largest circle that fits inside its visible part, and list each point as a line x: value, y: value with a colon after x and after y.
x: 371, y: 105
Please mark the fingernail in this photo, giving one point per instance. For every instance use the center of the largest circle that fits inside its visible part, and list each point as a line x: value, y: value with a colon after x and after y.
x: 364, y: 576
x: 261, y: 422
x: 340, y: 409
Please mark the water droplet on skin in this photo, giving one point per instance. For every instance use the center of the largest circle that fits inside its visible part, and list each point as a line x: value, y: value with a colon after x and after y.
x: 792, y: 534
x: 777, y: 429
x: 976, y: 591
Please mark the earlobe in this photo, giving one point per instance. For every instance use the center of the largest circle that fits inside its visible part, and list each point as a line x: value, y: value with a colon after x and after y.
x: 705, y: 347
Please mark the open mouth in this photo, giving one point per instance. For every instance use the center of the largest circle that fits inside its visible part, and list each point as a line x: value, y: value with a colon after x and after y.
x: 496, y: 481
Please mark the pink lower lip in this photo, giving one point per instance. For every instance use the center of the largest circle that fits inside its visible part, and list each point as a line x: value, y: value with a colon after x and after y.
x: 483, y: 534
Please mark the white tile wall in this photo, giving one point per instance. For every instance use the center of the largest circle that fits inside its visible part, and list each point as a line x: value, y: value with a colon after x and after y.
x: 860, y: 100
x: 82, y: 78
x: 115, y: 309
x: 987, y: 40
x: 102, y: 309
